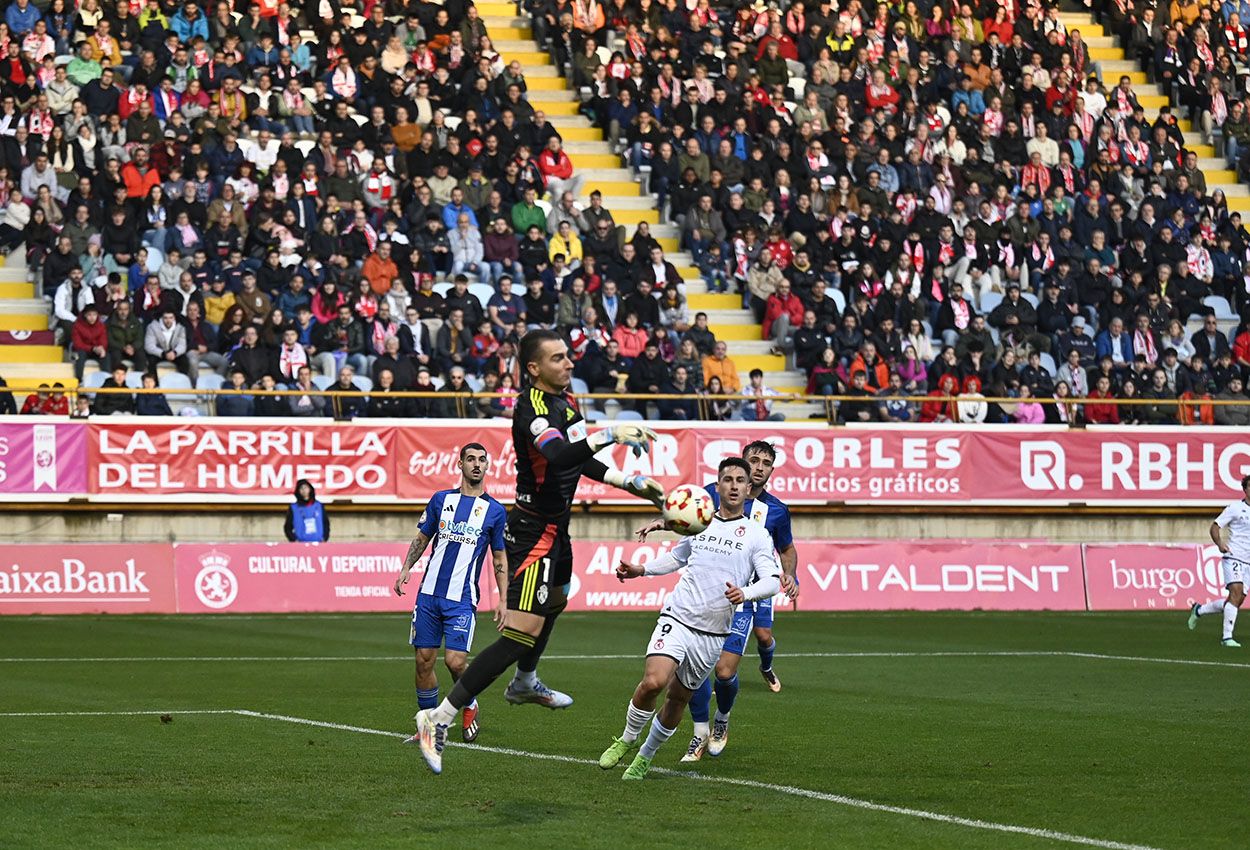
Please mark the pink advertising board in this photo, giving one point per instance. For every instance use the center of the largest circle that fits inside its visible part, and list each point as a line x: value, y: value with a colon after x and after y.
x: 87, y: 579
x: 48, y: 458
x: 1151, y: 576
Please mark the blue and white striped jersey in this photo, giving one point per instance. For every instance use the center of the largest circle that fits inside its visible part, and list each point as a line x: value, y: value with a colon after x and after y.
x: 462, y: 527
x: 768, y: 511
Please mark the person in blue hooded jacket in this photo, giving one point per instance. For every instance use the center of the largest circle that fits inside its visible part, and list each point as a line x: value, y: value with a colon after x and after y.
x: 306, y: 519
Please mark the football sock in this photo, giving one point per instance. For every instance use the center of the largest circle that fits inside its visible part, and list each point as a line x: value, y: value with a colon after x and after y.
x: 703, y: 730
x: 1215, y: 606
x: 1230, y: 619
x: 701, y: 703
x: 490, y: 662
x: 726, y: 693
x: 766, y: 654
x: 427, y: 697
x: 529, y: 661
x: 656, y: 738
x: 635, y: 719
x: 525, y: 678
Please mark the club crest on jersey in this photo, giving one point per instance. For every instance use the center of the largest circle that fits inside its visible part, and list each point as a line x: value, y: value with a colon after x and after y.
x: 659, y: 643
x: 542, y: 595
x: 740, y: 531
x: 538, y: 426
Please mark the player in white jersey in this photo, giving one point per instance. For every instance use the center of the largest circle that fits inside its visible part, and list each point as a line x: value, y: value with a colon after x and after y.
x: 732, y: 561
x: 462, y: 523
x: 1231, y: 532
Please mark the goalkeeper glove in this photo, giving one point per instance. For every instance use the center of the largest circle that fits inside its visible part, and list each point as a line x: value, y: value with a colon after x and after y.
x: 637, y: 485
x: 636, y: 437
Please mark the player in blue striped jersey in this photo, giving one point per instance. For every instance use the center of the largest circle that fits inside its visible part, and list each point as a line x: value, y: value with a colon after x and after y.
x: 462, y: 524
x: 765, y: 508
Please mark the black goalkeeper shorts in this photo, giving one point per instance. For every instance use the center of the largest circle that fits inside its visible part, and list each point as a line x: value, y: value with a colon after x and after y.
x: 540, y: 563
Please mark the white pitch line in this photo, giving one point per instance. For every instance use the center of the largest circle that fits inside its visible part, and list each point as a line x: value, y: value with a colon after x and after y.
x: 837, y: 799
x: 118, y: 713
x: 793, y: 791
x: 1139, y: 659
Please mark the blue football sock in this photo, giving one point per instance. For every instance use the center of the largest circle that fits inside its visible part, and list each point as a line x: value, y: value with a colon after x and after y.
x: 701, y: 702
x: 766, y: 654
x: 726, y: 693
x: 427, y: 698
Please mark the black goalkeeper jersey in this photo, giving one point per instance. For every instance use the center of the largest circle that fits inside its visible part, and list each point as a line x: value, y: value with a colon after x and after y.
x: 549, y: 436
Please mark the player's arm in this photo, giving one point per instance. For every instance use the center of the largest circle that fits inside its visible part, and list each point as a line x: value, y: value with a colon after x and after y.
x: 561, y: 454
x: 499, y: 553
x: 415, y: 550
x: 783, y: 540
x: 669, y: 562
x: 767, y: 579
x: 636, y: 485
x: 1219, y: 534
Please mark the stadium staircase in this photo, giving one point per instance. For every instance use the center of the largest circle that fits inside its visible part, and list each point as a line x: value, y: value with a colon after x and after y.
x: 28, y: 355
x: 1103, y: 48
x: 604, y: 170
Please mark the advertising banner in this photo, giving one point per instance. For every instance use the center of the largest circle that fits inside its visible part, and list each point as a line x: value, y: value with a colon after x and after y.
x: 1151, y: 576
x: 834, y: 576
x: 125, y: 459
x: 44, y: 458
x: 87, y: 579
x: 251, y: 458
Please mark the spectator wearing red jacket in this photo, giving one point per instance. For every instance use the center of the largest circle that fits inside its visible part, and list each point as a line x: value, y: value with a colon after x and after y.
x: 783, y: 312
x: 89, y: 340
x: 1101, y: 408
x: 139, y: 176
x: 557, y: 170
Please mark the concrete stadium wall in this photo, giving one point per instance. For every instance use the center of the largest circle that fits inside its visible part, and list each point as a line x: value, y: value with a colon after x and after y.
x: 57, y: 524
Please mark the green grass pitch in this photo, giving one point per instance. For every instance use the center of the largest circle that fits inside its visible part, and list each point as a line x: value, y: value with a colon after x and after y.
x: 884, y: 722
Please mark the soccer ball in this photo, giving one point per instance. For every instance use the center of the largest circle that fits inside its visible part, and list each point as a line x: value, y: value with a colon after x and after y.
x: 688, y: 509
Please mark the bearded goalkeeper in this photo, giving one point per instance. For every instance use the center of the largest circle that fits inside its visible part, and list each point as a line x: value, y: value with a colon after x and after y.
x: 553, y: 452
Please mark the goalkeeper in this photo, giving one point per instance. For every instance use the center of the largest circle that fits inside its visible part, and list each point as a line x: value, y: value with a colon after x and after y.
x: 553, y: 452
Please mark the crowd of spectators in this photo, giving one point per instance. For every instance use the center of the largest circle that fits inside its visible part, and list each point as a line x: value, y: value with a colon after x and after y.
x: 913, y: 198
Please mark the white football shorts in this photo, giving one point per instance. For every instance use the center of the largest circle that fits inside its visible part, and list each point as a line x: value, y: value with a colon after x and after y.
x: 1235, y: 571
x: 695, y: 652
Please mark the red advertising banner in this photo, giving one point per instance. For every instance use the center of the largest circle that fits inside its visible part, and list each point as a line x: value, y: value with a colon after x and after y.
x: 87, y: 579
x: 258, y: 457
x: 43, y: 459
x: 1151, y: 576
x: 261, y: 459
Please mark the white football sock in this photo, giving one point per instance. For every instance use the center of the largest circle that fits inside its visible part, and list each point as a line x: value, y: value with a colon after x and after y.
x: 719, y: 717
x: 445, y: 714
x: 526, y: 679
x: 1230, y: 619
x: 1215, y: 606
x: 635, y: 719
x: 659, y: 734
x: 703, y: 730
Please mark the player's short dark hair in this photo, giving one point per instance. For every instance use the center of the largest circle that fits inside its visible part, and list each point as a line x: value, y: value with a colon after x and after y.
x: 1245, y: 482
x: 533, y: 341
x: 761, y: 446
x: 732, y: 462
x: 468, y: 447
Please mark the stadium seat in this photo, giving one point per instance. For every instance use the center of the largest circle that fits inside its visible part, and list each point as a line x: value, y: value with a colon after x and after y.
x: 94, y: 380
x: 174, y: 381
x: 209, y: 381
x: 134, y: 380
x: 1221, y: 307
x: 452, y: 121
x: 593, y: 415
x: 1031, y: 298
x: 839, y: 299
x: 1048, y: 363
x: 156, y: 259
x: 475, y: 383
x: 578, y: 386
x: 990, y: 300
x: 443, y: 288
x: 305, y: 146
x: 484, y: 292
x: 321, y: 382
x: 364, y: 382
x: 629, y: 416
